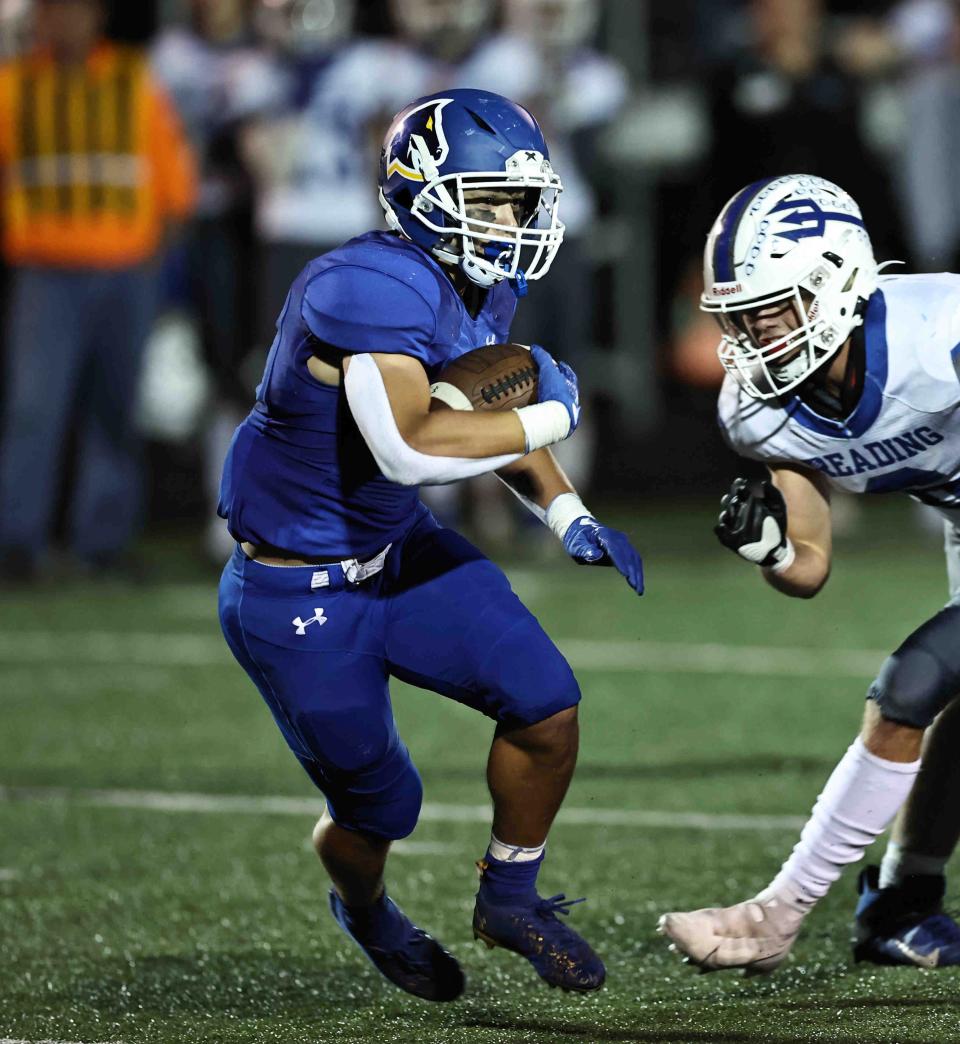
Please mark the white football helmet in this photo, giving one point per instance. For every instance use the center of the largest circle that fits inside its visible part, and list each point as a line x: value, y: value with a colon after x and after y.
x: 797, y: 239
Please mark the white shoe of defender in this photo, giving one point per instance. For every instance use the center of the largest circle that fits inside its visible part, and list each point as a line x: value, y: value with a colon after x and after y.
x: 755, y: 935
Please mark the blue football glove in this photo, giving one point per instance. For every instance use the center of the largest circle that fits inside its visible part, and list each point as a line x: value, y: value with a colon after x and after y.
x: 557, y: 381
x: 588, y: 542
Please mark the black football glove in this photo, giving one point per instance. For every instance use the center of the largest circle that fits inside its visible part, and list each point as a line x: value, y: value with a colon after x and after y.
x: 753, y: 522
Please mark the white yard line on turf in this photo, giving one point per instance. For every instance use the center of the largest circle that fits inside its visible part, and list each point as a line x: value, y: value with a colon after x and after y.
x: 11, y: 1040
x: 179, y: 649
x: 176, y: 801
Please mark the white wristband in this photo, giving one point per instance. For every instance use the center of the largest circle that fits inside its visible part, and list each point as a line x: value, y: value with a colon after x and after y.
x: 563, y: 511
x: 786, y: 559
x: 544, y: 423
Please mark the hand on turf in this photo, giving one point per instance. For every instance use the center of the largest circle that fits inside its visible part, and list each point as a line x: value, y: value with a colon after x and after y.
x: 753, y: 522
x: 588, y: 542
x: 557, y: 381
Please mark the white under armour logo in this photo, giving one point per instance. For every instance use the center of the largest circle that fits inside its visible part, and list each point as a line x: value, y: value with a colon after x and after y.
x: 302, y: 625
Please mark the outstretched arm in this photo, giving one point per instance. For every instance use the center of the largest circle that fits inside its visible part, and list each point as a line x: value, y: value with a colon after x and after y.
x: 539, y: 481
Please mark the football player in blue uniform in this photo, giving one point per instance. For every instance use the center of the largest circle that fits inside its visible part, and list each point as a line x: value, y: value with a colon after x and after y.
x: 342, y: 579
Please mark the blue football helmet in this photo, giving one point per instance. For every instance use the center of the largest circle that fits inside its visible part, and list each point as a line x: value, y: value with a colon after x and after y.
x: 445, y: 145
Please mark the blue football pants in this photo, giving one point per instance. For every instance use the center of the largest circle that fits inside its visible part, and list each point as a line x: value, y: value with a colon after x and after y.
x: 440, y: 615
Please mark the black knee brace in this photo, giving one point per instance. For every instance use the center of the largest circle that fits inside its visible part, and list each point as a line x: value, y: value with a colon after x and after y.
x: 917, y: 681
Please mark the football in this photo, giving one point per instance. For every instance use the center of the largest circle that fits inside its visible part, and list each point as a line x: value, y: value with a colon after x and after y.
x: 494, y: 377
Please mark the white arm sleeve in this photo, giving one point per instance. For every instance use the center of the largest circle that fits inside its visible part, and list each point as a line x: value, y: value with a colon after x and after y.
x: 399, y: 462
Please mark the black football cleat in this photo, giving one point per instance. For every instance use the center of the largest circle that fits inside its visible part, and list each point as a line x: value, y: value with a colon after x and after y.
x: 399, y: 950
x: 904, y: 924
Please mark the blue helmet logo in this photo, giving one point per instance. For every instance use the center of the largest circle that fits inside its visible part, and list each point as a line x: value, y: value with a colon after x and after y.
x: 809, y: 218
x: 426, y: 143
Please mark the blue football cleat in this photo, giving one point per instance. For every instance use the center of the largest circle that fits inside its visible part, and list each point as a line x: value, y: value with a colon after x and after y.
x: 399, y: 950
x: 560, y: 956
x: 905, y: 924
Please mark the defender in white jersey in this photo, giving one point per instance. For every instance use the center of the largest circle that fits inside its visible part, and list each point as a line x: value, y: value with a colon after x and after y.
x: 838, y: 378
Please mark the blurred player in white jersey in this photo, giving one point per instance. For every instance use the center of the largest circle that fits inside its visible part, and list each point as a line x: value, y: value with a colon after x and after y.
x: 310, y: 173
x: 545, y: 57
x: 313, y: 164
x: 839, y: 378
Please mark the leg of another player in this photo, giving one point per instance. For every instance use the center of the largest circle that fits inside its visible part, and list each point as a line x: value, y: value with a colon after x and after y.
x: 354, y: 860
x: 861, y: 797
x: 927, y: 827
x: 890, y: 740
x: 900, y: 917
x: 916, y: 683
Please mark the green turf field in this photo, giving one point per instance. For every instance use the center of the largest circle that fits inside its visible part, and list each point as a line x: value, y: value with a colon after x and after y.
x: 138, y: 903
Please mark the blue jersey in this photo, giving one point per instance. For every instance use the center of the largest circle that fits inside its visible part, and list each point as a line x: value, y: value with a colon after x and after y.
x: 298, y: 475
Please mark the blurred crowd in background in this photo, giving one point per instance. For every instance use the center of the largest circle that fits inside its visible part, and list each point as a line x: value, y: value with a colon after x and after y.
x: 168, y: 168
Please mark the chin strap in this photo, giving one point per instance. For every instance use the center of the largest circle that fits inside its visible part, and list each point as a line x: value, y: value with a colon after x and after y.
x: 519, y: 284
x: 482, y: 277
x: 476, y: 274
x: 486, y: 279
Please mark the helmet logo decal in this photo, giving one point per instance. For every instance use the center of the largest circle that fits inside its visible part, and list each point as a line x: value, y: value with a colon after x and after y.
x: 427, y: 144
x: 808, y: 217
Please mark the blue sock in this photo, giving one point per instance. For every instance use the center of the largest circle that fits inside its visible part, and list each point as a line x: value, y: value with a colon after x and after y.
x: 509, y: 883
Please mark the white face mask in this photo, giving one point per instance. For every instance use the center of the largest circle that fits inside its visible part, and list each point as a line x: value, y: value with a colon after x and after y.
x: 498, y: 239
x: 772, y: 348
x: 497, y: 209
